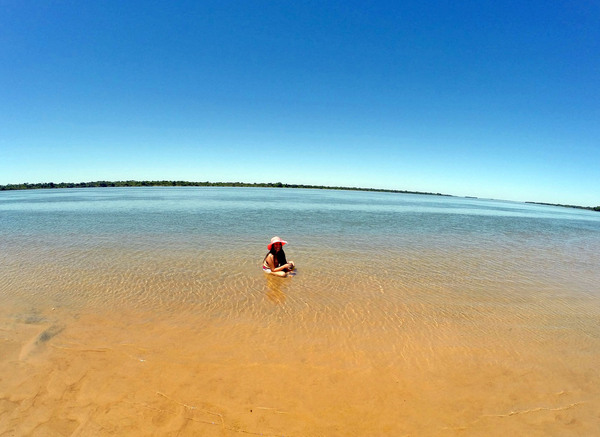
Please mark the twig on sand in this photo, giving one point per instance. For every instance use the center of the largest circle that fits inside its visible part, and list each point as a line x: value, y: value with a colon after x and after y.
x: 515, y: 413
x: 192, y: 407
x: 534, y: 410
x: 272, y: 409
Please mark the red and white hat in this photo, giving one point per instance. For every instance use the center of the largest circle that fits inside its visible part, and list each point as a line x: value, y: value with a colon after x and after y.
x: 275, y: 240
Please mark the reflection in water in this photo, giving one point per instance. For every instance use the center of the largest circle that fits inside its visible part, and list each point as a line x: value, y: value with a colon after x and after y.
x: 275, y: 288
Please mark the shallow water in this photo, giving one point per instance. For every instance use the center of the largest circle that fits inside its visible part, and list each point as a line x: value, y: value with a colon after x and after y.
x: 143, y: 311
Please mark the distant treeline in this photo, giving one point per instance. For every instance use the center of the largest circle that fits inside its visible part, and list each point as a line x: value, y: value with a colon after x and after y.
x: 595, y: 208
x: 27, y: 186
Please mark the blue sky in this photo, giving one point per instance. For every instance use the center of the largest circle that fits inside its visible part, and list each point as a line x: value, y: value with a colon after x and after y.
x: 472, y: 98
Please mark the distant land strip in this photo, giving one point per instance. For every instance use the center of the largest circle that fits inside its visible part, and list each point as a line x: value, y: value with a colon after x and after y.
x: 591, y: 208
x: 131, y: 183
x: 27, y: 186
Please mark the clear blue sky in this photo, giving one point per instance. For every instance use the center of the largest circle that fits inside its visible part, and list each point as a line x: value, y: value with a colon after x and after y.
x: 496, y: 99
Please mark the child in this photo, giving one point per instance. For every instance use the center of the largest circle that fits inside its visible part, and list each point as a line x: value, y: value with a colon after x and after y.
x: 275, y: 262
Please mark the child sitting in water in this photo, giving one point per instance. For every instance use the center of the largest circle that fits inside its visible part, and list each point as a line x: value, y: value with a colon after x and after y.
x: 275, y: 262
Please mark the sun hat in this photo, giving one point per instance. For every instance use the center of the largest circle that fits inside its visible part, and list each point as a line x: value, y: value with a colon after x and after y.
x: 275, y: 240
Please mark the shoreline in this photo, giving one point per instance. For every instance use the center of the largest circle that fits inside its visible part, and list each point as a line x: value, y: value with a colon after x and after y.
x: 133, y: 183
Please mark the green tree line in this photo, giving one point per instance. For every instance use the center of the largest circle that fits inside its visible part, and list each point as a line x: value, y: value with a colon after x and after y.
x: 131, y: 183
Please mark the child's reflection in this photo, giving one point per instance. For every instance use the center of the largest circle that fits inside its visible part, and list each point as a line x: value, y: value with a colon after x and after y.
x: 275, y: 289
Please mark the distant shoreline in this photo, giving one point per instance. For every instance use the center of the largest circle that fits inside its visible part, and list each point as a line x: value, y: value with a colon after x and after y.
x: 132, y: 183
x: 590, y: 208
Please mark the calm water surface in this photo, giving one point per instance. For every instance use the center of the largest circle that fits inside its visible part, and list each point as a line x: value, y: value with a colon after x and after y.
x: 144, y: 311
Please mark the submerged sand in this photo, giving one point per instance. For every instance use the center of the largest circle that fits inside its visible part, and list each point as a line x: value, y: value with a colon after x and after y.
x: 274, y: 359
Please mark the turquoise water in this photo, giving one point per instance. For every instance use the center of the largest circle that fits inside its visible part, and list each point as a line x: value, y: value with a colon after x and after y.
x: 248, y: 214
x: 417, y: 238
x: 177, y: 246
